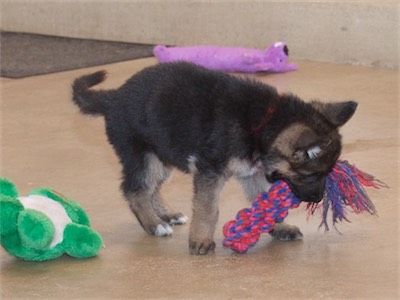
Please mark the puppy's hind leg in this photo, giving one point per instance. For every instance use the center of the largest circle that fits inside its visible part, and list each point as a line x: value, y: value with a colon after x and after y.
x: 157, y: 173
x: 165, y: 212
x: 140, y: 185
x: 141, y: 206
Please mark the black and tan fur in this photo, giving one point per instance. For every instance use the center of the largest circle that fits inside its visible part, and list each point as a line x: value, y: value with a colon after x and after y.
x: 214, y: 126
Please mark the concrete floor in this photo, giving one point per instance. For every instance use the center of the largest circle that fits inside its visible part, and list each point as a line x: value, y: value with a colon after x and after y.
x: 46, y: 142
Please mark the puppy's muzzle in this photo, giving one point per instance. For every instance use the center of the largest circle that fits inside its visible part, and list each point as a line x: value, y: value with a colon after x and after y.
x: 307, y: 194
x: 312, y: 191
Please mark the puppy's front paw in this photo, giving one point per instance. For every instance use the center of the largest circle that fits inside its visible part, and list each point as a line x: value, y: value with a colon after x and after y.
x: 201, y: 247
x: 285, y: 232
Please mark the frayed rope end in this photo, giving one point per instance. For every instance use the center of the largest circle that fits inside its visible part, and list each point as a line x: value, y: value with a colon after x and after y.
x: 345, y: 188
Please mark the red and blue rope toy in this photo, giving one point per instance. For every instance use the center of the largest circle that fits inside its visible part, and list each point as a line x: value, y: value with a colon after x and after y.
x: 344, y: 187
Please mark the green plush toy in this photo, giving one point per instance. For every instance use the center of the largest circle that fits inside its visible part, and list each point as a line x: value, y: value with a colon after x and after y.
x: 44, y: 225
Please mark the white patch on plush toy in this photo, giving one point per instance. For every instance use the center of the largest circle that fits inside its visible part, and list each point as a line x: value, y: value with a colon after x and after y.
x: 53, y: 210
x: 278, y: 44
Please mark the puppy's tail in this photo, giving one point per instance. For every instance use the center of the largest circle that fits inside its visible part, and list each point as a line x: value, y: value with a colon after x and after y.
x: 92, y: 102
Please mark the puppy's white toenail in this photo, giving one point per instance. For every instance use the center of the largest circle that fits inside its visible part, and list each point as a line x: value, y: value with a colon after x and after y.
x: 180, y: 220
x: 163, y: 230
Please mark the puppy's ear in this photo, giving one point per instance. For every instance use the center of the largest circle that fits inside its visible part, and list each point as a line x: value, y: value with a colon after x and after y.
x: 336, y: 113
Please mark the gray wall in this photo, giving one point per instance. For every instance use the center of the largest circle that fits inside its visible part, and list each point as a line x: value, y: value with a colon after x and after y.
x: 357, y: 32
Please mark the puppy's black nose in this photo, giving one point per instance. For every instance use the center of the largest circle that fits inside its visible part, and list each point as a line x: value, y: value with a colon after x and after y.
x: 317, y: 197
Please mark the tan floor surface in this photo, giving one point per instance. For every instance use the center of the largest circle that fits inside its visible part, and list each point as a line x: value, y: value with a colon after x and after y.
x: 46, y: 142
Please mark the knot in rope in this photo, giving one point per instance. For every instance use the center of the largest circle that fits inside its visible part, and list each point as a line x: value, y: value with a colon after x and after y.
x: 267, y: 209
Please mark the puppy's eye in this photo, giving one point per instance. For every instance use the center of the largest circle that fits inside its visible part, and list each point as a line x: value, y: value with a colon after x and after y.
x: 313, y: 152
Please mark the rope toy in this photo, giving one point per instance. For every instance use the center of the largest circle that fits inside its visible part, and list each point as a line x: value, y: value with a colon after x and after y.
x: 344, y: 187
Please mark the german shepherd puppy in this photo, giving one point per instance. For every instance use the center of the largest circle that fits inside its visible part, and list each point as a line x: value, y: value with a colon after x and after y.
x: 214, y: 126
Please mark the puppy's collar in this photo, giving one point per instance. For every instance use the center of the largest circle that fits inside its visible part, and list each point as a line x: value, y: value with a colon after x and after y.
x: 269, y: 112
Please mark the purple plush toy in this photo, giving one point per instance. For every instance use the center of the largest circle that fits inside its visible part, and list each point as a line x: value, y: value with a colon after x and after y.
x: 273, y: 59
